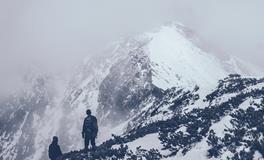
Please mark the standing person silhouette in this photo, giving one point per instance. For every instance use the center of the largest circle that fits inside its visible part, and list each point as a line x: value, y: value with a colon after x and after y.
x: 90, y: 130
x: 54, y: 150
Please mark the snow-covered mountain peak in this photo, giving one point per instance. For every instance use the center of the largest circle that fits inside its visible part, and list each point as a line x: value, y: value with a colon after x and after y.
x: 177, y: 61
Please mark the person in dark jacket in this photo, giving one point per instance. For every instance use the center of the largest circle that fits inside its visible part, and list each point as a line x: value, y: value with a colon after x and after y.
x: 90, y: 130
x: 54, y: 150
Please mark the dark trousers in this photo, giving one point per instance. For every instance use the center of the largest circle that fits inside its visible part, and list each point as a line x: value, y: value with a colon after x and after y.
x: 87, y: 140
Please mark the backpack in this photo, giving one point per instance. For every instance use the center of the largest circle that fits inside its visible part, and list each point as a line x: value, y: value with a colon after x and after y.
x: 89, y: 126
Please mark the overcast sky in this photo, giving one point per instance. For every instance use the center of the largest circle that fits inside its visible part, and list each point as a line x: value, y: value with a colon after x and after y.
x: 55, y: 35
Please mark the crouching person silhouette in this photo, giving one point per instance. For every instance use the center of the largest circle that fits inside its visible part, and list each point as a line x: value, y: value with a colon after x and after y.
x: 54, y: 150
x: 90, y: 130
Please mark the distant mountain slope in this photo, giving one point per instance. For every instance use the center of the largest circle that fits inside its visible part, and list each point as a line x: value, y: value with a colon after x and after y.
x: 19, y: 116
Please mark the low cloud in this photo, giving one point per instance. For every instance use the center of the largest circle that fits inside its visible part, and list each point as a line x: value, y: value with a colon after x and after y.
x: 56, y: 35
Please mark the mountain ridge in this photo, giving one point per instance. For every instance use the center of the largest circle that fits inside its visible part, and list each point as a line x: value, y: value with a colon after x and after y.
x: 209, y: 132
x: 140, y: 91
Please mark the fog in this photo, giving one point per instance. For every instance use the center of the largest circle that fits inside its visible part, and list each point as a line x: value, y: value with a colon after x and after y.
x: 53, y: 36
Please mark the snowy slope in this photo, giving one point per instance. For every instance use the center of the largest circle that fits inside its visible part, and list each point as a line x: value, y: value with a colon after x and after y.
x: 221, y: 130
x: 176, y: 61
x: 163, y: 59
x: 224, y: 129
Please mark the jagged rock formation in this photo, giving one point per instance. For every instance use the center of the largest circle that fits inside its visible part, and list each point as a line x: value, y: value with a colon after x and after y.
x: 228, y: 124
x: 125, y: 87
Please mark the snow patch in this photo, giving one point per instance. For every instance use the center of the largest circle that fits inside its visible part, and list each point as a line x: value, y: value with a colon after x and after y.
x: 176, y: 61
x: 147, y: 142
x: 219, y: 127
x: 198, y: 152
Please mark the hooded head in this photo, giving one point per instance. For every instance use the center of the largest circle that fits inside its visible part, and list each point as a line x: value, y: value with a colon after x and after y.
x: 55, y: 140
x: 88, y: 112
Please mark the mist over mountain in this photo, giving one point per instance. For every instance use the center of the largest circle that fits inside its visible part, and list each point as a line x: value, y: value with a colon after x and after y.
x: 161, y: 95
x: 54, y: 36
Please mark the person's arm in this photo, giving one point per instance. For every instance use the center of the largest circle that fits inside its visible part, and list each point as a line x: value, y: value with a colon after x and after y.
x: 59, y: 150
x: 95, y: 125
x: 51, y: 152
x: 83, y: 128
